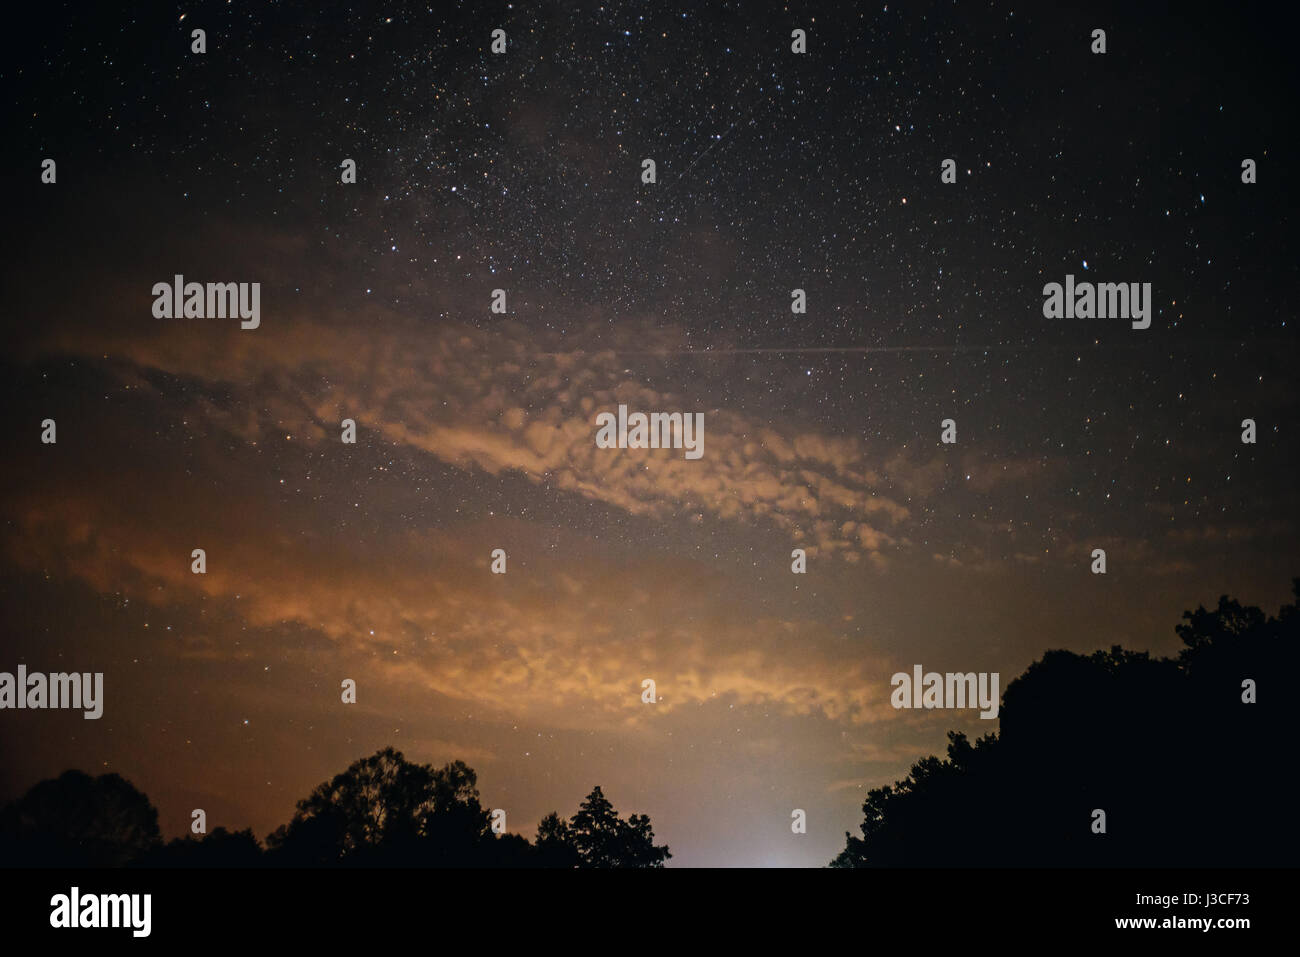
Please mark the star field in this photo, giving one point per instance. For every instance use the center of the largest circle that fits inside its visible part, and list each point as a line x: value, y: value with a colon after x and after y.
x: 522, y: 171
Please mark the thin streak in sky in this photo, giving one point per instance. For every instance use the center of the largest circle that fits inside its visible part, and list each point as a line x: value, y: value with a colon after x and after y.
x: 786, y: 351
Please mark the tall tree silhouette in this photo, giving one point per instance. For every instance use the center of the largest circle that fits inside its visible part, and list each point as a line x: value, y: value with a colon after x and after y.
x: 1185, y: 768
x: 602, y: 839
x: 76, y: 820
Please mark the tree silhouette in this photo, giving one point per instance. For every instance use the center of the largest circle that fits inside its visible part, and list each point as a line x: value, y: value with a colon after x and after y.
x: 382, y: 810
x: 220, y: 848
x: 555, y: 846
x: 1186, y: 771
x: 76, y: 820
x: 602, y: 839
x: 505, y: 850
x: 385, y: 809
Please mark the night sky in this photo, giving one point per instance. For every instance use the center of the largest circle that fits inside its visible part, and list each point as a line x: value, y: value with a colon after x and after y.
x: 475, y: 430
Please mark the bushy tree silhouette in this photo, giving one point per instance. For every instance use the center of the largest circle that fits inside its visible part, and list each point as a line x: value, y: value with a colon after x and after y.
x: 1186, y: 771
x: 385, y: 809
x: 555, y: 846
x: 601, y: 839
x: 75, y: 820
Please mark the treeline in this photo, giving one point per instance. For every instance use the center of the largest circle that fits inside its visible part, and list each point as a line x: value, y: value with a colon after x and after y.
x: 1109, y: 759
x: 381, y: 811
x: 1116, y: 759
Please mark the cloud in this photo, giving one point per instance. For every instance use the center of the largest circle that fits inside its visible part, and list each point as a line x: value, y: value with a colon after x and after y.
x: 503, y: 400
x: 566, y: 643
